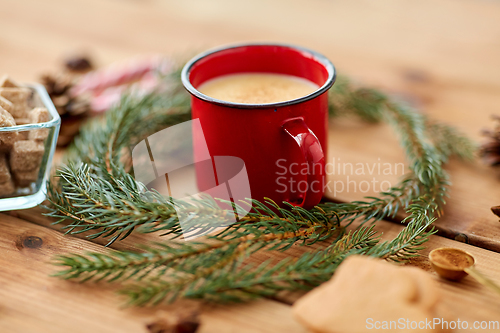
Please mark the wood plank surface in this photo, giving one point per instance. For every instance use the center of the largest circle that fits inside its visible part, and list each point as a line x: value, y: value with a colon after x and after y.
x: 444, y: 56
x: 467, y: 300
x: 441, y: 56
x: 32, y: 301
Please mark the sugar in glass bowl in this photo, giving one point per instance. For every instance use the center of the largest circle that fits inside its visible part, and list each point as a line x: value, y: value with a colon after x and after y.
x: 25, y: 164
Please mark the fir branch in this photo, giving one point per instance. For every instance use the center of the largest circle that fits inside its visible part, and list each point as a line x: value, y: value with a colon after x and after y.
x: 409, y: 241
x: 234, y: 281
x: 183, y: 256
x: 370, y: 105
x: 239, y: 282
x: 450, y: 142
x: 103, y: 142
x: 219, y: 277
x: 112, y: 217
x: 95, y: 192
x: 425, y: 159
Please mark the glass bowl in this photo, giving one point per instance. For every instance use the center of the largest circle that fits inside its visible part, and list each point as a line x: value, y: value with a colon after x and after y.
x: 30, y: 185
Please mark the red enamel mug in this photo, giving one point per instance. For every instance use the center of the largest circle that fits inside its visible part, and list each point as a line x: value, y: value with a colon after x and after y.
x: 282, y: 144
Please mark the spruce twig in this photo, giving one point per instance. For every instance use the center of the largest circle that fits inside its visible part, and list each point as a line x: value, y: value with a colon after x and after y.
x: 94, y: 191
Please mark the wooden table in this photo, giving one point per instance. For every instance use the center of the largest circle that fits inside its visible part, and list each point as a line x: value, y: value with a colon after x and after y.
x: 442, y: 55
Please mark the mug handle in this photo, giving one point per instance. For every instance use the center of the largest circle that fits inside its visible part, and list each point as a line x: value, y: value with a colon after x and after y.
x: 313, y: 155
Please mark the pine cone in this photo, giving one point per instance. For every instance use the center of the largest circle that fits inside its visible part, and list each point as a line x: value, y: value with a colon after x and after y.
x: 187, y: 322
x: 496, y: 210
x: 490, y: 151
x: 72, y: 109
x: 79, y: 64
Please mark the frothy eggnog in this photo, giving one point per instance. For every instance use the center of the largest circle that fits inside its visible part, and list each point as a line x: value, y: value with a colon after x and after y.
x: 257, y: 88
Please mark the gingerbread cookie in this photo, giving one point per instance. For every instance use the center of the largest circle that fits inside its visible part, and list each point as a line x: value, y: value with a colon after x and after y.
x: 366, y: 293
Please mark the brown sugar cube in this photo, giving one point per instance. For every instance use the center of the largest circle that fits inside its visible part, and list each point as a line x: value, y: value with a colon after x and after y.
x: 36, y: 116
x: 4, y: 169
x: 7, y: 188
x: 39, y: 115
x: 19, y: 98
x: 6, y: 120
x: 6, y: 82
x: 25, y: 178
x: 22, y: 121
x: 4, y: 147
x: 26, y: 155
x: 16, y: 95
x: 6, y: 104
x: 23, y: 135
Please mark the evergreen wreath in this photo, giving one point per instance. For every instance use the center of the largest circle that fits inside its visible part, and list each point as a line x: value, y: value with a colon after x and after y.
x: 95, y: 191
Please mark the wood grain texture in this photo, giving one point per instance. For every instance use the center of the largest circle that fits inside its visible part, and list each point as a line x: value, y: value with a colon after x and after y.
x: 32, y: 301
x: 441, y: 56
x: 465, y: 300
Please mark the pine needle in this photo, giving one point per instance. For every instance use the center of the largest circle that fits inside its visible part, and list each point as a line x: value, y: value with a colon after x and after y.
x: 94, y: 191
